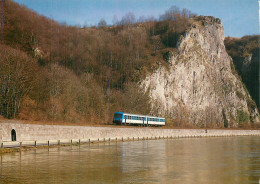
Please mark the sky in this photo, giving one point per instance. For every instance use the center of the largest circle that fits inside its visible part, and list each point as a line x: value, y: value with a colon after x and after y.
x: 239, y: 17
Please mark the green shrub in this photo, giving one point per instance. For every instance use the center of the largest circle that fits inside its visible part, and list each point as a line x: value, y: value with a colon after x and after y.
x: 242, y: 117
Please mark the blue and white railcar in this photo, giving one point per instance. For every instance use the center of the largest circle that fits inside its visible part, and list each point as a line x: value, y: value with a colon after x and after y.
x: 137, y: 119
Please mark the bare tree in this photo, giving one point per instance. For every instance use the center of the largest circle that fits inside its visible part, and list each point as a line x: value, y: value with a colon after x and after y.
x: 18, y: 79
x: 102, y: 23
x: 171, y: 13
x: 128, y: 19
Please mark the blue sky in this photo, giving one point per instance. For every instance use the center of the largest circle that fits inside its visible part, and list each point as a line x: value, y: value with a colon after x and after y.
x: 239, y: 17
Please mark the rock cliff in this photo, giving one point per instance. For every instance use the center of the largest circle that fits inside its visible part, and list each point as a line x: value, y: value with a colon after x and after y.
x: 200, y: 86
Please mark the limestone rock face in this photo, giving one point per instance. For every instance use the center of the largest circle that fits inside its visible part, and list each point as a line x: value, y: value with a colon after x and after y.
x: 199, y: 86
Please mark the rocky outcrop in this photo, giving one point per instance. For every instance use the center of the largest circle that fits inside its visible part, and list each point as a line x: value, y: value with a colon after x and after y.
x: 198, y: 86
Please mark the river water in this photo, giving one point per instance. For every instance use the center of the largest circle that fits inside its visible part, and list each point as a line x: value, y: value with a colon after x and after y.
x: 187, y: 160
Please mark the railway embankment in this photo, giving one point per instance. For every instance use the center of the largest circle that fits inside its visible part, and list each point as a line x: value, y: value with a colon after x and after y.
x: 15, y: 133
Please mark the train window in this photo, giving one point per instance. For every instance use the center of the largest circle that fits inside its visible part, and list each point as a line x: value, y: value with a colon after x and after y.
x: 118, y: 116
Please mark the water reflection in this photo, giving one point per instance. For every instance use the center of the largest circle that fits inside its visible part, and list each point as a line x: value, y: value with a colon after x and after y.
x: 201, y: 160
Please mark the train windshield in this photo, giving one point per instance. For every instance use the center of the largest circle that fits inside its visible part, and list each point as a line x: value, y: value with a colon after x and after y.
x: 118, y: 116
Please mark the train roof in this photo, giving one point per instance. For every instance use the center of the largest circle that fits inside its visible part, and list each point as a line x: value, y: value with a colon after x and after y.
x: 140, y: 115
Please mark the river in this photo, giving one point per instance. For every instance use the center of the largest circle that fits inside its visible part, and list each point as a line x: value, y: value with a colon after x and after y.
x: 186, y: 160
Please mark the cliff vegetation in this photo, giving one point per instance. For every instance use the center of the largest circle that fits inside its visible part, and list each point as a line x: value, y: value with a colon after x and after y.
x: 245, y: 54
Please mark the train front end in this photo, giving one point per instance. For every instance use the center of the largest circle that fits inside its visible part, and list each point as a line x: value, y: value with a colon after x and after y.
x: 118, y: 117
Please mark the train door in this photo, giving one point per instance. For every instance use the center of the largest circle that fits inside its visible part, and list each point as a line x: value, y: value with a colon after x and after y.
x: 125, y: 119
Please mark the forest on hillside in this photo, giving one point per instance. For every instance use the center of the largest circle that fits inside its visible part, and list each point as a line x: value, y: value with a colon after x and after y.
x: 54, y: 72
x: 245, y: 54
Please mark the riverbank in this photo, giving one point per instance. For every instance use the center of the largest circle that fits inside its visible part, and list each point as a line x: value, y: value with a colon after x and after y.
x: 15, y: 146
x: 29, y: 132
x: 33, y: 136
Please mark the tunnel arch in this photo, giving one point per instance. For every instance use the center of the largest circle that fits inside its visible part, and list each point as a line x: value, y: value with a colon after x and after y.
x: 13, y: 135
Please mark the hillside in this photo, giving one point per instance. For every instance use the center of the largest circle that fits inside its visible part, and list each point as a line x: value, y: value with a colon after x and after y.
x: 55, y: 72
x: 200, y: 86
x: 245, y: 54
x: 79, y: 74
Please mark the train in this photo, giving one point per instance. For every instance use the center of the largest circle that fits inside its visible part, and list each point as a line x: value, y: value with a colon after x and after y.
x: 123, y: 118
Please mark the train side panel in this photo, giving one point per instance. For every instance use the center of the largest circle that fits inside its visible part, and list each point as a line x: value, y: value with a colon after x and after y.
x: 136, y: 119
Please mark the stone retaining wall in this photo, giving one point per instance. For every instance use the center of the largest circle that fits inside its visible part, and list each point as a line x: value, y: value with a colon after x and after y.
x: 26, y: 132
